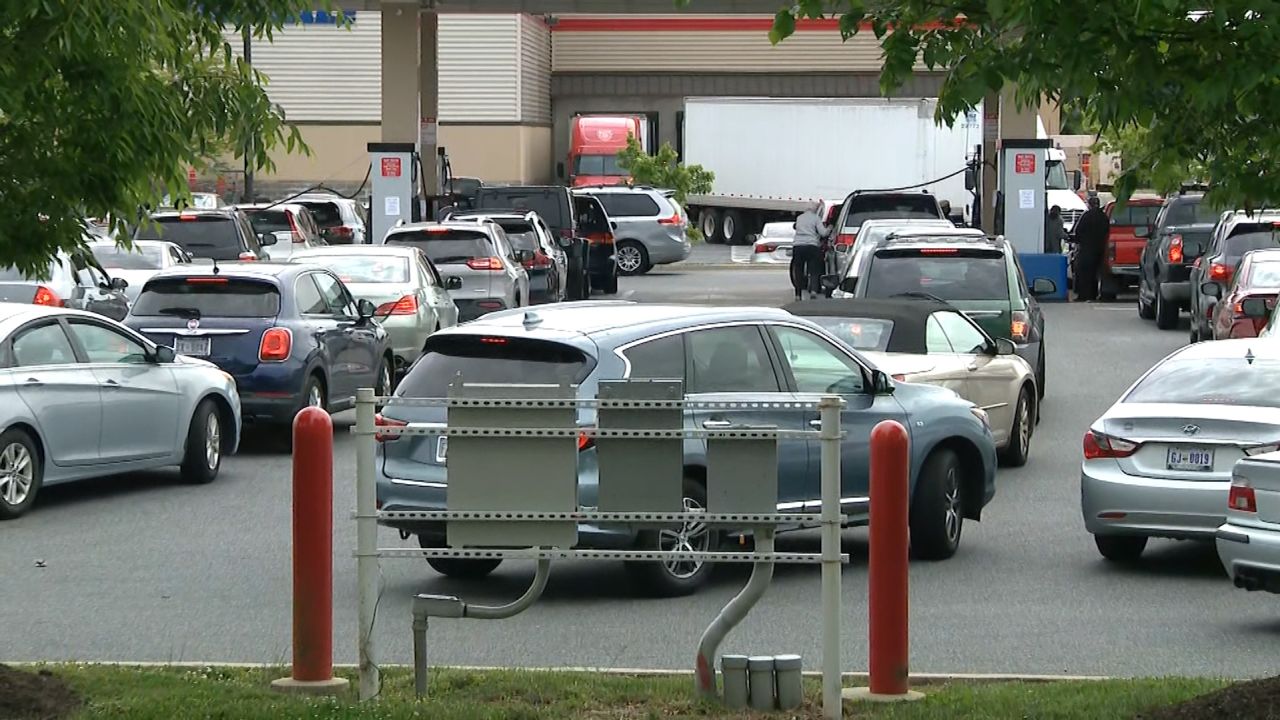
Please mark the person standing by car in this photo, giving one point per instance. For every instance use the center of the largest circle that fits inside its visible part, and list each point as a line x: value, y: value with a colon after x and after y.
x: 1091, y: 243
x: 806, y: 262
x: 1055, y: 233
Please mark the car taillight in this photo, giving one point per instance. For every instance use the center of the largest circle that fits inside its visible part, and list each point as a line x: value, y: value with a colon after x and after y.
x: 407, y: 305
x: 1100, y: 445
x: 673, y: 220
x: 1019, y: 326
x: 1175, y: 249
x: 1221, y: 273
x: 45, y: 296
x: 766, y: 247
x: 247, y: 256
x: 276, y: 345
x: 566, y: 234
x: 485, y: 263
x: 342, y: 232
x: 539, y: 260
x: 293, y: 229
x: 1241, y: 498
x: 845, y: 240
x: 381, y: 421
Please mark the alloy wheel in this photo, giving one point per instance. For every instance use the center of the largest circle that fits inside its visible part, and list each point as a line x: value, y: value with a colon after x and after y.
x: 690, y: 537
x: 17, y: 473
x: 313, y: 396
x: 1024, y: 425
x: 951, y: 500
x: 629, y: 259
x: 384, y: 381
x: 212, y: 441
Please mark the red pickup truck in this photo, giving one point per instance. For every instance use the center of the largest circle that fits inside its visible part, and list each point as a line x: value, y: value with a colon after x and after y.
x: 1125, y: 243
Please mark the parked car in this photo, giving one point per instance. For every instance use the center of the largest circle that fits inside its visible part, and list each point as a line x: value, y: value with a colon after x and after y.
x: 341, y: 220
x: 411, y: 297
x: 926, y: 341
x: 489, y: 271
x: 753, y: 354
x: 292, y: 224
x: 1180, y: 236
x: 1249, y: 539
x: 544, y: 260
x: 82, y: 396
x: 1130, y: 226
x: 861, y: 206
x: 978, y: 275
x: 874, y: 234
x: 1250, y: 298
x: 1158, y: 463
x: 199, y: 201
x: 775, y: 244
x: 72, y: 280
x: 1212, y: 273
x: 650, y: 226
x: 136, y: 264
x: 873, y: 230
x: 221, y: 235
x: 291, y: 336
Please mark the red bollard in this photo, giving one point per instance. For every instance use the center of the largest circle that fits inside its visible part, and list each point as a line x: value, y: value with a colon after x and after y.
x: 887, y: 565
x: 312, y: 556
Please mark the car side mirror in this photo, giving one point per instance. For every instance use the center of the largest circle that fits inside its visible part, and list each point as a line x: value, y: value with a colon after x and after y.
x: 365, y: 308
x: 118, y: 283
x: 1005, y: 346
x: 849, y: 285
x: 1254, y: 308
x: 881, y: 383
x: 613, y: 225
x: 164, y: 354
x: 453, y: 282
x: 1043, y: 286
x: 1211, y: 289
x: 266, y: 239
x: 1142, y: 232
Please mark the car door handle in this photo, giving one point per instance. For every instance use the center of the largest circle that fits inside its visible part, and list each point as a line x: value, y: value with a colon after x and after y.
x: 716, y: 424
x: 973, y: 367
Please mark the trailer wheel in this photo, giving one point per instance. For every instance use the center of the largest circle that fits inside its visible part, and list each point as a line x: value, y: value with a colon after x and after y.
x: 709, y: 223
x: 732, y: 228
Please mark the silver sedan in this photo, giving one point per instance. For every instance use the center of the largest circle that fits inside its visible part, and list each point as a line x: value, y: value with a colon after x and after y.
x: 83, y: 396
x: 1158, y: 463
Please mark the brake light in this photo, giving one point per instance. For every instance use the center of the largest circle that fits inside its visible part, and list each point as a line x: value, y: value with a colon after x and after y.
x: 485, y: 263
x: 407, y: 305
x: 206, y: 281
x: 293, y: 229
x: 766, y: 247
x: 1221, y: 273
x: 1175, y: 249
x: 45, y: 296
x: 939, y: 251
x: 1241, y: 498
x: 342, y: 231
x: 1020, y: 326
x: 846, y: 239
x: 1100, y: 445
x: 494, y: 341
x: 247, y: 256
x: 673, y: 220
x: 188, y: 218
x: 437, y: 230
x: 276, y: 345
x: 380, y: 421
x: 539, y: 260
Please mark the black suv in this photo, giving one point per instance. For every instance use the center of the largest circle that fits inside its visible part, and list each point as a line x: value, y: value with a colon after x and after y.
x: 1179, y: 238
x: 223, y: 234
x: 581, y: 225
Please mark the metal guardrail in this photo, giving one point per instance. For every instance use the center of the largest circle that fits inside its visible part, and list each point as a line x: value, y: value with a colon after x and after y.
x: 639, y: 433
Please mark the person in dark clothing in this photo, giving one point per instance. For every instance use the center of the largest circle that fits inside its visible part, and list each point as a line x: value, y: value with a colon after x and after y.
x: 806, y: 259
x: 1054, y: 231
x: 1091, y: 232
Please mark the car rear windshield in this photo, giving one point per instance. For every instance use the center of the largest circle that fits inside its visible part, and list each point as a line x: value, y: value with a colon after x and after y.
x: 205, y: 296
x: 860, y: 333
x: 520, y: 234
x: 269, y: 221
x: 480, y: 359
x: 137, y: 258
x: 327, y: 214
x: 1265, y: 275
x: 955, y: 275
x: 210, y: 236
x: 871, y: 207
x: 364, y: 268
x: 548, y: 204
x: 1214, y: 381
x: 1135, y: 215
x: 57, y: 271
x: 1237, y: 245
x: 1191, y: 212
x: 628, y: 204
x: 445, y: 246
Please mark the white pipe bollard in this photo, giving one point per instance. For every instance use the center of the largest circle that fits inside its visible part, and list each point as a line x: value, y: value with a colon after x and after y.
x: 787, y: 678
x: 367, y: 571
x: 760, y: 670
x: 734, y: 670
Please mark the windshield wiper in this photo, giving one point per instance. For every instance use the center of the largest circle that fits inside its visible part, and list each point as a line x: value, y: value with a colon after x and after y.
x: 920, y: 294
x: 189, y: 313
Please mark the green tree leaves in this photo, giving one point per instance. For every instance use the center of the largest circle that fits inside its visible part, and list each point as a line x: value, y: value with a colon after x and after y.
x: 664, y: 170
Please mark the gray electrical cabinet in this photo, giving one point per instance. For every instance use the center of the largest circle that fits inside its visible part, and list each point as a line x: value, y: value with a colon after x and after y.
x: 640, y: 474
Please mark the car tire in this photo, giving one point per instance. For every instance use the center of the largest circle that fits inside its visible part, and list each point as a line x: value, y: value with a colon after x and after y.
x: 1018, y: 449
x: 21, y: 473
x: 608, y: 284
x: 937, y: 516
x: 733, y: 229
x: 633, y: 258
x: 1145, y: 310
x: 385, y: 379
x: 1107, y: 287
x: 1166, y: 313
x: 1041, y: 379
x: 675, y: 578
x: 1120, y: 548
x: 1195, y: 333
x: 709, y: 224
x: 203, y: 455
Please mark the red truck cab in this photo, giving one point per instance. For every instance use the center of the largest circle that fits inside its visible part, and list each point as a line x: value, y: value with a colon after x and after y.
x: 594, y: 143
x: 1126, y: 241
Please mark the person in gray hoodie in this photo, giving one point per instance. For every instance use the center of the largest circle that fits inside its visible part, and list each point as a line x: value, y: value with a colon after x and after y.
x: 806, y: 257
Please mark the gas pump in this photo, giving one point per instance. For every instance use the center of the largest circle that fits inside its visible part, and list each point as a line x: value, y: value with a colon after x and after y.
x: 393, y: 191
x: 1022, y: 211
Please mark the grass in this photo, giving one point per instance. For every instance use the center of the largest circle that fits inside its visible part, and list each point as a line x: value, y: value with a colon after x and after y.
x: 243, y: 694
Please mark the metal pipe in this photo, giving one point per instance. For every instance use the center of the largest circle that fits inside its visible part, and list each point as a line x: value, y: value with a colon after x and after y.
x: 829, y: 409
x: 420, y: 625
x: 499, y: 612
x: 367, y: 570
x: 732, y: 614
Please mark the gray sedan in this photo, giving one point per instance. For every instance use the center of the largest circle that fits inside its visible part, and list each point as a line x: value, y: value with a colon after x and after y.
x: 82, y: 396
x: 1158, y: 463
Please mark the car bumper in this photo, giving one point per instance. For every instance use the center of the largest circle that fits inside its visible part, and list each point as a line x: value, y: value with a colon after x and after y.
x: 1251, y: 556
x: 1114, y: 503
x: 668, y: 251
x: 472, y: 309
x: 1029, y: 352
x: 1179, y: 292
x: 781, y: 256
x: 600, y: 259
x: 1125, y: 270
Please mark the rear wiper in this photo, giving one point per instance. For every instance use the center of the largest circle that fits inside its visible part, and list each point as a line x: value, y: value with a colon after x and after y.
x: 183, y: 312
x: 920, y: 294
x: 451, y: 258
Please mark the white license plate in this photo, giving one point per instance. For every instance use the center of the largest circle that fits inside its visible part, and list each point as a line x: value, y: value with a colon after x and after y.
x: 442, y: 448
x: 192, y: 345
x: 1190, y: 458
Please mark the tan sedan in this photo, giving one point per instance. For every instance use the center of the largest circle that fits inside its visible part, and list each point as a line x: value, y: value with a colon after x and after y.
x: 928, y: 341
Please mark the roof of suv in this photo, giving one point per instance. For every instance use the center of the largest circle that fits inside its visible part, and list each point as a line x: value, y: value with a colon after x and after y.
x: 926, y: 239
x: 604, y: 316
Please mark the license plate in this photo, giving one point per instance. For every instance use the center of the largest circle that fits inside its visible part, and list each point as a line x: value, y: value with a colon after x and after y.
x: 191, y: 345
x: 442, y: 448
x: 1188, y: 458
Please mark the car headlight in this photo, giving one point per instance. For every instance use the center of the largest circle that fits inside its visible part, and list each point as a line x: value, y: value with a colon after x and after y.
x: 982, y: 416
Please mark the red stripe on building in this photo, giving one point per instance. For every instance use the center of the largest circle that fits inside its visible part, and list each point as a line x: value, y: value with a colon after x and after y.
x: 694, y: 24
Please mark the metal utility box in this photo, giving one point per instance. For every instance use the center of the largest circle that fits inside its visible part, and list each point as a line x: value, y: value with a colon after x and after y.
x: 640, y: 474
x: 391, y: 177
x: 1022, y: 183
x: 742, y: 475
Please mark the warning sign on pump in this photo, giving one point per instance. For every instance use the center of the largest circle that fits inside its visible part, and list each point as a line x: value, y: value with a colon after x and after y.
x: 391, y: 167
x: 1023, y: 163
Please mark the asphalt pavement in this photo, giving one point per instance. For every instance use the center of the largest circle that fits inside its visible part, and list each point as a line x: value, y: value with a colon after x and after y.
x: 145, y: 568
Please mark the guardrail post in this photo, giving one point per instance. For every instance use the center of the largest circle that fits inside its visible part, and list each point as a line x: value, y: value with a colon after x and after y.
x: 312, y: 557
x: 367, y: 571
x: 829, y: 412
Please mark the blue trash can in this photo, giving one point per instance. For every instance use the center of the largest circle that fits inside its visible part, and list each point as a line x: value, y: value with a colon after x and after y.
x: 1052, y: 266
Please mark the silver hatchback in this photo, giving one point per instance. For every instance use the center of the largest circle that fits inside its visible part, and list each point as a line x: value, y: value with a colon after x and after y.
x: 489, y: 271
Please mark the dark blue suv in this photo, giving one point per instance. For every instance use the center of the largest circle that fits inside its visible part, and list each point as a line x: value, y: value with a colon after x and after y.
x: 291, y: 335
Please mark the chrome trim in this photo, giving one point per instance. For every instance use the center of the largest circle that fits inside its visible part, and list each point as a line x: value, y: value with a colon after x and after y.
x: 194, y: 333
x: 419, y: 483
x: 817, y: 504
x: 981, y: 313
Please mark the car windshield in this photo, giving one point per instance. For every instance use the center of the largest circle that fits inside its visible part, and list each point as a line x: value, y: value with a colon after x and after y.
x: 479, y: 359
x: 860, y: 333
x: 1237, y: 245
x: 1135, y: 215
x: 197, y: 297
x: 326, y: 214
x: 445, y: 246
x: 209, y: 236
x: 598, y: 165
x: 1244, y: 381
x: 363, y: 268
x: 871, y: 207
x: 973, y: 275
x: 139, y: 257
x: 1055, y: 175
